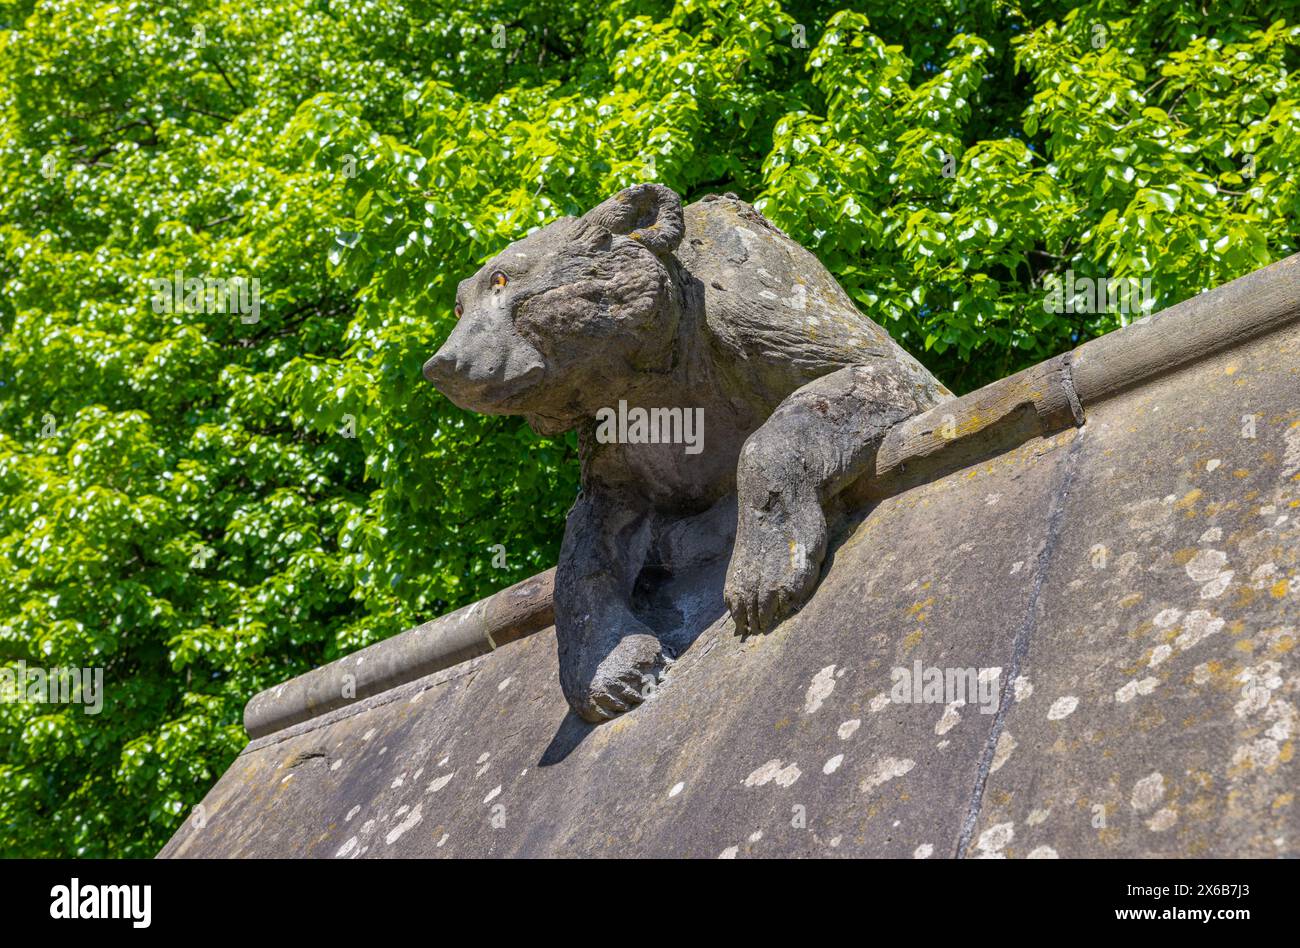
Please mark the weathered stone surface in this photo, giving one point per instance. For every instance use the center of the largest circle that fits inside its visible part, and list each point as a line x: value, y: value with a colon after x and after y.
x: 1135, y: 581
x: 803, y: 723
x: 1165, y: 633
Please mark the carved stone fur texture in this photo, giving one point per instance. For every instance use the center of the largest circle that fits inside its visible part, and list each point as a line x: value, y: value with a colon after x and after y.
x: 642, y: 304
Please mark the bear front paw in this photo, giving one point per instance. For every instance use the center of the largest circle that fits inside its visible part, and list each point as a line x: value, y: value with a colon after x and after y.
x: 780, y: 545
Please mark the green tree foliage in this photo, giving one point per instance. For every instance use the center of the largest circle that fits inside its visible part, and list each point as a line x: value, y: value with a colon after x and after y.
x: 204, y: 505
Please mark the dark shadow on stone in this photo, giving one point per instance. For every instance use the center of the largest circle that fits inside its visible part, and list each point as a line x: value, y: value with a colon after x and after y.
x: 679, y: 607
x: 571, y: 732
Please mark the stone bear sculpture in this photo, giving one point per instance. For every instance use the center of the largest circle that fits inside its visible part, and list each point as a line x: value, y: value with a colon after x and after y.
x: 645, y: 309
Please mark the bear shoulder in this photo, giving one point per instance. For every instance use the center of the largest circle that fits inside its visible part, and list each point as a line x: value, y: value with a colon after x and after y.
x: 770, y: 305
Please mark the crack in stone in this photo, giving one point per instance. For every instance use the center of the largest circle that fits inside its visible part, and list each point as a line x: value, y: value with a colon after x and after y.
x: 1020, y: 647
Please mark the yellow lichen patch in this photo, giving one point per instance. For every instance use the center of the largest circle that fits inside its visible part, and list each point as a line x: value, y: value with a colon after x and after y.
x: 916, y: 610
x: 622, y: 724
x: 1131, y: 600
x: 781, y: 724
x: 912, y: 641
x: 1283, y: 799
x: 1184, y: 556
x: 1241, y: 473
x: 1241, y: 768
x: 1245, y: 645
x: 1280, y: 588
x: 1189, y: 499
x: 1230, y: 370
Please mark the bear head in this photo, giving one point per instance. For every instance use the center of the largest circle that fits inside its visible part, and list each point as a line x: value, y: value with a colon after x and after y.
x: 560, y: 323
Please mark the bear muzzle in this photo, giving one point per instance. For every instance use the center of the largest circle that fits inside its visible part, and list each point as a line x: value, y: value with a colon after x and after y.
x: 485, y: 381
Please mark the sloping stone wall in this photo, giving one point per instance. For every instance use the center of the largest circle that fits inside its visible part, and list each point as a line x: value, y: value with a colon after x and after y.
x: 1134, y: 583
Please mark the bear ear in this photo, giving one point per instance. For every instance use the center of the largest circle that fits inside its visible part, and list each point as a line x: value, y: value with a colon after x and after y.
x: 648, y: 213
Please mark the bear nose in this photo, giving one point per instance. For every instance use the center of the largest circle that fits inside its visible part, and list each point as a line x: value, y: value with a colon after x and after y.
x: 442, y: 368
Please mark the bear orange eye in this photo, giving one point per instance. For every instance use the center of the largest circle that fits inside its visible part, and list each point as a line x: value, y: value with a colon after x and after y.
x: 499, y: 280
x: 460, y: 311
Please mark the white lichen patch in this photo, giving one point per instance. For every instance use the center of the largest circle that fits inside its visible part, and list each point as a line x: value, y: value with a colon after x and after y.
x: 1167, y: 618
x: 346, y: 848
x: 1258, y: 684
x: 879, y: 702
x: 1199, y: 626
x: 1132, y: 689
x: 950, y: 718
x: 886, y: 769
x: 833, y: 764
x: 848, y: 728
x: 1217, y: 586
x: 1291, y: 463
x: 729, y: 853
x: 1002, y: 752
x: 492, y: 794
x: 677, y: 788
x: 351, y: 813
x: 1206, y: 565
x: 1042, y: 852
x: 995, y: 839
x: 823, y: 684
x: 410, y: 822
x: 1147, y: 792
x: 504, y: 684
x: 1038, y: 816
x: 1022, y: 688
x: 924, y: 851
x: 1163, y: 820
x: 1062, y: 707
x: 439, y: 782
x: 774, y: 771
x: 1263, y: 752
x: 1264, y: 576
